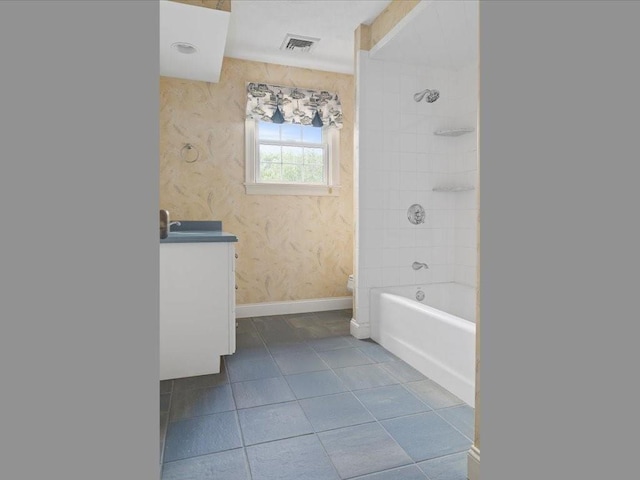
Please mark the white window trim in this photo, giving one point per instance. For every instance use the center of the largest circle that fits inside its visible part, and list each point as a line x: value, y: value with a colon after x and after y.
x: 332, y: 188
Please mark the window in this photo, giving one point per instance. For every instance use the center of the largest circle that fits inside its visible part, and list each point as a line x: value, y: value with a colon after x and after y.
x: 291, y: 159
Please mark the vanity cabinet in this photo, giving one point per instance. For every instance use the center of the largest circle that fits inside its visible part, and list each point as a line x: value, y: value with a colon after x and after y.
x: 197, y: 307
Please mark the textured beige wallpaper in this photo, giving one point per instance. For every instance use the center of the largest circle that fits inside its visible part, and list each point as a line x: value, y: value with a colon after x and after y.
x: 290, y: 247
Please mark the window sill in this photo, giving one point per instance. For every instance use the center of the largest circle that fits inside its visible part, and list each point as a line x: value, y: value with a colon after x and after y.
x: 291, y: 189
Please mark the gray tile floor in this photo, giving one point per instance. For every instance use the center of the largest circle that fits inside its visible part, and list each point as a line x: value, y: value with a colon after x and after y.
x: 302, y: 399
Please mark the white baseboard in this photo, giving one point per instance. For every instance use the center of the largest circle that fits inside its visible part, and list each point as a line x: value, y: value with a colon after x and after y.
x: 293, y: 306
x: 473, y: 463
x: 359, y: 330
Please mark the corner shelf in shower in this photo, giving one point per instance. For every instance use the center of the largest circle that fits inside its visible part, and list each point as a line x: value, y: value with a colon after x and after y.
x: 454, y: 188
x: 453, y: 132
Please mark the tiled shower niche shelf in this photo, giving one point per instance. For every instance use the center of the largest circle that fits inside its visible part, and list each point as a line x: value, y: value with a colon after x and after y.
x: 454, y: 188
x: 453, y: 132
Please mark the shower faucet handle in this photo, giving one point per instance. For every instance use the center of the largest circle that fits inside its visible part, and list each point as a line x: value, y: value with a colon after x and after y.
x: 418, y: 265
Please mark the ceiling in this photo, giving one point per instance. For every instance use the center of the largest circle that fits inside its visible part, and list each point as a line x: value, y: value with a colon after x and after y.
x: 257, y: 29
x: 440, y: 34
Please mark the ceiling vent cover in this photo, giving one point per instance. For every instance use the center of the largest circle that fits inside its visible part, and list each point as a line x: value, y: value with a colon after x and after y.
x: 298, y: 43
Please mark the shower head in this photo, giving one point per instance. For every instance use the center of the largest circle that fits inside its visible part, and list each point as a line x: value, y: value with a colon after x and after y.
x: 432, y: 95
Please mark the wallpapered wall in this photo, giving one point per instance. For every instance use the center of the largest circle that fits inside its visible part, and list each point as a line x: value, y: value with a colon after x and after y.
x: 290, y: 247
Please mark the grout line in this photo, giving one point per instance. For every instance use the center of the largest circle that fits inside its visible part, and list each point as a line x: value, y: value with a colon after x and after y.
x: 384, y: 429
x: 452, y: 425
x: 204, y: 455
x: 244, y: 448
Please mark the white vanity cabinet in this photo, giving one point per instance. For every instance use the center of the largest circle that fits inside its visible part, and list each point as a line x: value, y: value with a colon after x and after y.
x: 197, y: 307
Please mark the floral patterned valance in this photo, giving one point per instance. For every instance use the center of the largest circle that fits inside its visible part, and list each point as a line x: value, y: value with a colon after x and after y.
x: 297, y: 105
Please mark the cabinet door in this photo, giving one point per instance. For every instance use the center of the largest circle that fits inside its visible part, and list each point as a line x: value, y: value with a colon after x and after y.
x: 194, y: 308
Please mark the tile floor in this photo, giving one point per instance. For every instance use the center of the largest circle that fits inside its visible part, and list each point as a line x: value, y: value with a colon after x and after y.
x: 301, y: 399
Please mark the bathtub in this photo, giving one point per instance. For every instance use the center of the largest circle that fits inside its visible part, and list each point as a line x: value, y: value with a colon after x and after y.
x: 436, y: 336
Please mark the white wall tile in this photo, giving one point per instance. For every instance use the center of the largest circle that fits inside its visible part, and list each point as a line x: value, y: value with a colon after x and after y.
x: 390, y: 103
x: 408, y: 181
x: 371, y: 238
x: 372, y: 276
x: 440, y: 273
x: 375, y: 123
x: 407, y: 276
x: 372, y: 219
x: 369, y: 257
x: 391, y: 221
x: 423, y: 254
x: 423, y: 140
x: 440, y: 256
x: 376, y: 84
x: 407, y: 162
x: 465, y: 237
x: 442, y: 219
x: 466, y: 256
x: 391, y: 122
x: 391, y: 80
x: 375, y: 142
x: 466, y: 218
x: 391, y: 177
x: 466, y: 200
x: 390, y: 257
x: 406, y: 256
x: 423, y: 276
x: 394, y: 200
x: 407, y: 142
x: 391, y: 238
x: 391, y: 142
x: 407, y: 103
x: 438, y: 179
x: 423, y: 163
x: 390, y: 276
x: 424, y: 237
x: 465, y: 275
x: 410, y: 83
x: 376, y: 68
x: 408, y: 122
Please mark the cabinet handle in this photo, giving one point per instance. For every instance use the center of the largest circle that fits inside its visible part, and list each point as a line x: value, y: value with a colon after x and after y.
x: 236, y: 255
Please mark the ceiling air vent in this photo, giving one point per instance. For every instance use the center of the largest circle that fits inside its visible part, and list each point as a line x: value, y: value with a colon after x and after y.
x: 298, y: 43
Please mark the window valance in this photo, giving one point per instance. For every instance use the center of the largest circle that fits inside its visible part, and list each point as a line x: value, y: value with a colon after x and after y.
x: 296, y: 105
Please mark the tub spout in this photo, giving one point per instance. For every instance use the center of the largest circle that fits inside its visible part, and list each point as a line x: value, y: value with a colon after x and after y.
x: 418, y: 265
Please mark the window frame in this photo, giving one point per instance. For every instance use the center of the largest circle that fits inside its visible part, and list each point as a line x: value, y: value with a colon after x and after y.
x: 331, y: 187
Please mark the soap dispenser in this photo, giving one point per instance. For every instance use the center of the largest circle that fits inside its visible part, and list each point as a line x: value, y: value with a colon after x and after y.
x: 164, y: 223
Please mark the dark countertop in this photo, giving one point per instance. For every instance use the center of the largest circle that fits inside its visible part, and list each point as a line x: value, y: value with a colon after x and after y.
x: 191, y: 231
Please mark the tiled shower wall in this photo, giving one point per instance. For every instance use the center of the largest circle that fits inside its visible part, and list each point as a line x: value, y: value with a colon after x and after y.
x: 400, y: 161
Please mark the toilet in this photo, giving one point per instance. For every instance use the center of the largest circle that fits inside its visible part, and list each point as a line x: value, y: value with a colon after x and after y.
x: 350, y: 283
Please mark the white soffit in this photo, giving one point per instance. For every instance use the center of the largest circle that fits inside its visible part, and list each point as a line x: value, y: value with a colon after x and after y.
x: 202, y: 27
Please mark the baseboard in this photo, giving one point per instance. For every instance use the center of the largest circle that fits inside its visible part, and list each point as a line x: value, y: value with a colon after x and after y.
x: 359, y: 330
x: 293, y: 306
x: 473, y: 463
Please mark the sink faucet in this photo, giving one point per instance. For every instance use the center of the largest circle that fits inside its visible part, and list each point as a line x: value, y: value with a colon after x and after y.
x: 418, y: 265
x: 174, y: 223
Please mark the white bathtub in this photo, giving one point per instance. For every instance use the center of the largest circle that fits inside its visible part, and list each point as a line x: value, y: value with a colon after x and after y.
x: 435, y: 336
